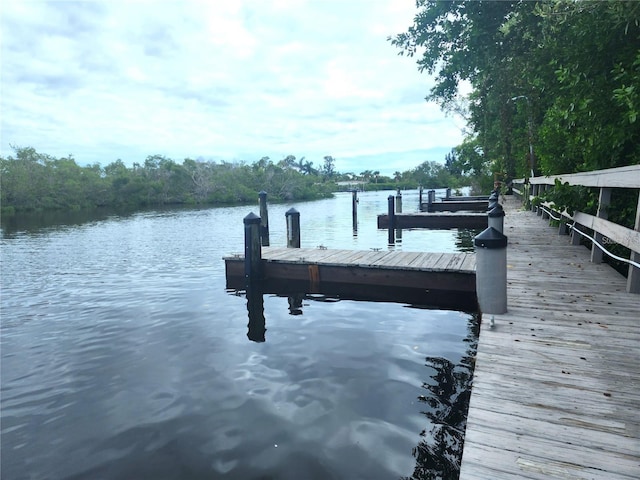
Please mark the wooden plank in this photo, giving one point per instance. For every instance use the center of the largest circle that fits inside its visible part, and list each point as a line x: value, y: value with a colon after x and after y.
x: 624, y: 236
x: 620, y: 177
x: 557, y: 379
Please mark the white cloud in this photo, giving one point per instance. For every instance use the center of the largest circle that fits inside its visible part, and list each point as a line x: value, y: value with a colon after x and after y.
x: 235, y: 80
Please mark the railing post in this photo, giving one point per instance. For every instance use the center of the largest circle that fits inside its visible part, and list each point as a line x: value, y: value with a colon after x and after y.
x: 563, y: 229
x: 399, y: 202
x: 252, y: 249
x: 491, y: 271
x: 603, y: 202
x: 420, y: 197
x: 448, y: 193
x: 633, y: 279
x: 293, y: 228
x: 576, y: 238
x: 264, y: 218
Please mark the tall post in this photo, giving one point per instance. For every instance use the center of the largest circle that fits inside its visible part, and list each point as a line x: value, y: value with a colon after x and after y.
x: 398, y: 210
x: 354, y: 210
x: 252, y: 249
x: 496, y: 218
x: 633, y: 279
x: 491, y: 271
x: 293, y: 228
x: 391, y: 211
x: 448, y: 193
x: 264, y: 218
x: 431, y: 196
x: 603, y: 204
x: 420, y: 189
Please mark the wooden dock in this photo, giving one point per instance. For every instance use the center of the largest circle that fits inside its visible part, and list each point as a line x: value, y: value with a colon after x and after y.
x: 455, y: 206
x: 441, y: 280
x: 442, y: 220
x: 556, y: 389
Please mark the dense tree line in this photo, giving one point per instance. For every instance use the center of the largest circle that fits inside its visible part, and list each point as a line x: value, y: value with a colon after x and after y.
x: 33, y: 181
x: 36, y: 181
x: 559, y: 78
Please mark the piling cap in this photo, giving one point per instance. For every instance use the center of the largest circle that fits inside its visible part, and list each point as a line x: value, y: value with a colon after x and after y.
x: 496, y: 211
x: 491, y: 239
x: 291, y: 211
x: 251, y: 218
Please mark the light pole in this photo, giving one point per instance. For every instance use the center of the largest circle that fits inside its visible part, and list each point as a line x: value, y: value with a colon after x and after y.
x: 532, y: 159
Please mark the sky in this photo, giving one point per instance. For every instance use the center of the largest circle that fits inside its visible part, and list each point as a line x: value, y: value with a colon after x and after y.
x: 232, y: 80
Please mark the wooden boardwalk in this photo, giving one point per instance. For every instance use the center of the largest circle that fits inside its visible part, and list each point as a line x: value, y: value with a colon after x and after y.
x: 445, y: 280
x: 556, y: 389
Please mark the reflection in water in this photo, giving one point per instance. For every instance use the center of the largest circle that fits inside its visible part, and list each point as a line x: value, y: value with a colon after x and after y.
x: 439, y: 454
x: 464, y: 239
x: 295, y: 303
x: 255, y: 307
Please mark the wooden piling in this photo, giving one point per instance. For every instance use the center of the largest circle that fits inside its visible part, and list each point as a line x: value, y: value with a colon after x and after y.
x: 252, y: 249
x: 293, y: 228
x: 264, y: 218
x: 391, y: 211
x: 354, y: 209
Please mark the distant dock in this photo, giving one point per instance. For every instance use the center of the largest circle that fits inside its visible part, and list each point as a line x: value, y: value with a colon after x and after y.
x: 442, y: 220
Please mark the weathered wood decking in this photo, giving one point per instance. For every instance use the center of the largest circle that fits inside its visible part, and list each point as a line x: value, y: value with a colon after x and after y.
x: 556, y: 390
x: 442, y: 220
x: 444, y: 280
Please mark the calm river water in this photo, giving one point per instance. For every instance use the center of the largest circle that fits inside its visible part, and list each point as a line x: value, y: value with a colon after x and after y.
x: 124, y: 357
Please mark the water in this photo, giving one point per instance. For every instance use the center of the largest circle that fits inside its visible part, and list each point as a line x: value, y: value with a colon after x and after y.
x: 123, y: 356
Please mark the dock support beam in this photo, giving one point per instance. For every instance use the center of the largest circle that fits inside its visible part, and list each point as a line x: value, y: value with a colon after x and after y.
x: 264, y: 218
x: 293, y: 228
x: 491, y: 271
x: 252, y: 249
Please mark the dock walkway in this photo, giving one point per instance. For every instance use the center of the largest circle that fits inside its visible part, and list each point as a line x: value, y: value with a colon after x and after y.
x: 445, y: 280
x: 556, y: 390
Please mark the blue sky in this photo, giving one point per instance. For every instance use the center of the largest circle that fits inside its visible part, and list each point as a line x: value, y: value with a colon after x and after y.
x: 220, y: 80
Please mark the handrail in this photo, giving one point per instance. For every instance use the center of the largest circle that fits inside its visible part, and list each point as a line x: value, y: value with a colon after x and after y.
x: 619, y: 177
x: 606, y: 180
x: 584, y: 234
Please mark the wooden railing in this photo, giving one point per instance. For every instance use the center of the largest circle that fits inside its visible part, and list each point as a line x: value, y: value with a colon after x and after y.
x: 604, y: 231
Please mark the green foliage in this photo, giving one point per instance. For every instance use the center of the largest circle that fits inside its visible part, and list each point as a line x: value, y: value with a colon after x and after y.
x: 559, y: 77
x: 571, y: 198
x: 32, y: 181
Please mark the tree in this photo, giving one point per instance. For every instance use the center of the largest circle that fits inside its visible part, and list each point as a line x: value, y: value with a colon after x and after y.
x: 575, y: 65
x: 328, y: 168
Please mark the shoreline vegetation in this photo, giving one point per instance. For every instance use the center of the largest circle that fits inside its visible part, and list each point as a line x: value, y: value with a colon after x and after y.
x: 34, y: 182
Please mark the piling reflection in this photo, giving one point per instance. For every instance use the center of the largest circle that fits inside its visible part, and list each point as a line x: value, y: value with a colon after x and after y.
x: 295, y: 303
x: 439, y: 453
x: 257, y: 323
